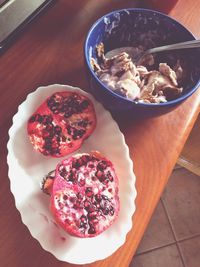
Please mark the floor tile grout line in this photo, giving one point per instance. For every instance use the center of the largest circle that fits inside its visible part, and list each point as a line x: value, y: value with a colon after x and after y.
x: 168, y: 218
x: 153, y: 249
x: 164, y: 246
x: 179, y: 247
x: 172, y: 227
x: 173, y: 231
x: 188, y: 238
x: 181, y: 254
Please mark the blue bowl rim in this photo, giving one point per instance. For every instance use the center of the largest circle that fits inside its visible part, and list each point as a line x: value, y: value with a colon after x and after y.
x: 165, y: 104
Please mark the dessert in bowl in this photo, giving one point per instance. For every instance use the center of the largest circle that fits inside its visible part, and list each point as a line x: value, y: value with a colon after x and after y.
x: 141, y: 29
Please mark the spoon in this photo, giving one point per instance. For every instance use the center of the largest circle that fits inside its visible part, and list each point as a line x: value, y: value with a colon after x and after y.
x: 136, y: 57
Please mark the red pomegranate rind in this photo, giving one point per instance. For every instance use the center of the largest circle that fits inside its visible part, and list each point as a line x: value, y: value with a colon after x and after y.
x: 61, y: 123
x: 47, y: 183
x: 85, y: 199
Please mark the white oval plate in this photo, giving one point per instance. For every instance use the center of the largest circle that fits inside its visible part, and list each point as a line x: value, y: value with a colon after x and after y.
x: 27, y: 168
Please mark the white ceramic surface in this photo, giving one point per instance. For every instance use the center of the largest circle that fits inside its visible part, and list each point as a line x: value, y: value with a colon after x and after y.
x: 27, y: 168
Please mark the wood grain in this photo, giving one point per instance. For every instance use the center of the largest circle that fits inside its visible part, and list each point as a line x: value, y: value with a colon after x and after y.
x: 49, y: 51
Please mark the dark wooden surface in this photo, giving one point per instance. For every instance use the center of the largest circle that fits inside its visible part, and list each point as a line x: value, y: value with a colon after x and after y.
x: 49, y: 51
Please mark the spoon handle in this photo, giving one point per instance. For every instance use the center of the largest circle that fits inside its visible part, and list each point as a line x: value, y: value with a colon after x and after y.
x: 182, y: 45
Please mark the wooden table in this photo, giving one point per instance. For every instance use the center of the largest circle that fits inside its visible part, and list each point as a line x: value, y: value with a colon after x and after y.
x: 50, y: 51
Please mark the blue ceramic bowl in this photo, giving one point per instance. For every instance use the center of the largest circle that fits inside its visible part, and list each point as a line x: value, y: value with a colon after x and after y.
x: 127, y: 27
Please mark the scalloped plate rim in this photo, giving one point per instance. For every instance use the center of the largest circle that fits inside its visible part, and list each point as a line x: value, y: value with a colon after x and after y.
x: 126, y: 155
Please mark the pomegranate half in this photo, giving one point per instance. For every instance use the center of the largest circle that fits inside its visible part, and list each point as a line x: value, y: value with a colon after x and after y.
x: 84, y: 196
x: 61, y: 123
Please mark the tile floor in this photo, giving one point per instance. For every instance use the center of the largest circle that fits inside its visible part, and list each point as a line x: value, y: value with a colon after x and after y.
x: 172, y: 238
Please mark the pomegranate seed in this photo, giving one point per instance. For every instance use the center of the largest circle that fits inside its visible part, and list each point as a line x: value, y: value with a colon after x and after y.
x: 88, y: 191
x: 91, y: 230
